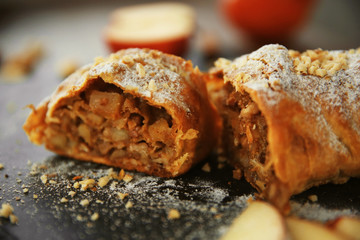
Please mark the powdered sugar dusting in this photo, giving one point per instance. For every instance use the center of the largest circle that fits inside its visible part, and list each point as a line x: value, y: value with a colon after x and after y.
x: 270, y: 71
x: 314, y: 211
x: 146, y: 72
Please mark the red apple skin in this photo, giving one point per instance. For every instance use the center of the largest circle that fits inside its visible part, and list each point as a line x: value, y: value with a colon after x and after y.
x: 266, y: 19
x: 178, y: 46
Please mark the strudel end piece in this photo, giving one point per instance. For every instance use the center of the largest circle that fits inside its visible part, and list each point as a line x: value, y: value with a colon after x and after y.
x: 138, y: 109
x: 291, y: 119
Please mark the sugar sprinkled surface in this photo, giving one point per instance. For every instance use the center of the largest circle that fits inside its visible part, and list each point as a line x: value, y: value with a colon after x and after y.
x: 270, y: 71
x: 156, y: 72
x: 207, y: 204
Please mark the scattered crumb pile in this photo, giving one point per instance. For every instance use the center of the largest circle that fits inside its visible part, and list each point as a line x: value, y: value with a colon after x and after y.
x: 17, y: 66
x: 6, y: 211
x: 94, y: 195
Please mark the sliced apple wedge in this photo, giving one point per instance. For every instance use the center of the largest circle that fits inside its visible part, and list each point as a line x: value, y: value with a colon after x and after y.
x: 346, y: 226
x: 301, y: 229
x: 163, y: 26
x: 259, y: 221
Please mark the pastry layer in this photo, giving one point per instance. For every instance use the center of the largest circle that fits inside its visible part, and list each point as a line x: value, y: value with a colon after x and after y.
x: 291, y: 119
x: 138, y: 109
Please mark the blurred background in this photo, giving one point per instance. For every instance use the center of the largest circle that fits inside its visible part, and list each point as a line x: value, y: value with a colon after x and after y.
x: 70, y: 34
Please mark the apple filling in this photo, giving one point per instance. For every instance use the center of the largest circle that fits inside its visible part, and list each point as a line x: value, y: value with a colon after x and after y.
x: 245, y: 132
x: 105, y: 121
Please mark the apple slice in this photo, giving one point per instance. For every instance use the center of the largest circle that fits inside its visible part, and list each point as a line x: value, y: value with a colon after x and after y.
x: 259, y: 221
x: 301, y: 229
x: 346, y: 226
x: 163, y: 26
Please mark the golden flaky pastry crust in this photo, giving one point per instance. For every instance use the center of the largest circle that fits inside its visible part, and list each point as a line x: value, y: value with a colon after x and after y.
x: 138, y: 109
x: 305, y: 123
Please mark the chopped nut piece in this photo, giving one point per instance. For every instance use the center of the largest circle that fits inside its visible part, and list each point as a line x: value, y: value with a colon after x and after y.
x: 113, y: 185
x: 140, y: 70
x: 99, y: 201
x: 52, y: 182
x: 121, y: 174
x: 173, y: 214
x: 84, y: 202
x: 313, y: 198
x: 79, y: 218
x: 35, y: 196
x: 206, y: 167
x: 94, y: 217
x: 127, y: 178
x: 25, y: 190
x: 88, y: 183
x: 129, y: 204
x: 44, y: 179
x: 64, y: 200
x: 76, y: 185
x: 152, y: 86
x: 122, y: 195
x: 103, y: 181
x: 213, y: 210
x: 6, y: 210
x: 72, y: 193
x: 17, y: 198
x: 13, y: 219
x: 1, y: 166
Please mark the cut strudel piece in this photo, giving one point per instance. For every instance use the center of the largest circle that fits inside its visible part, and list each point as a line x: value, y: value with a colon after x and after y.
x: 138, y: 109
x: 291, y: 120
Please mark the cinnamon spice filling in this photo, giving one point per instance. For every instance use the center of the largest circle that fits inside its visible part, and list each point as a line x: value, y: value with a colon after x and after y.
x: 108, y: 122
x: 246, y: 127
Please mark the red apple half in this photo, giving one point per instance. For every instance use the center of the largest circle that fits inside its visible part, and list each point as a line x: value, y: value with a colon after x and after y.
x: 163, y: 26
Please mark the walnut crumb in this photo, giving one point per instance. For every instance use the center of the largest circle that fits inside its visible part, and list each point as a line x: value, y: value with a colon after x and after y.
x: 72, y: 193
x: 128, y: 60
x: 313, y: 198
x: 25, y: 190
x: 76, y: 185
x: 44, y: 179
x: 173, y: 214
x: 140, y: 69
x: 94, y: 217
x: 103, y: 181
x: 122, y: 195
x: 35, y: 196
x: 129, y: 204
x: 6, y: 210
x: 87, y: 183
x: 13, y: 219
x: 127, y: 178
x: 121, y: 174
x: 52, y: 182
x: 152, y: 86
x: 1, y: 166
x: 213, y: 210
x: 84, y: 202
x: 206, y: 167
x: 64, y: 200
